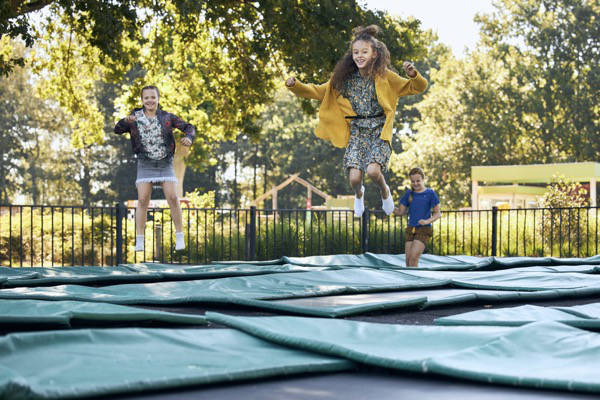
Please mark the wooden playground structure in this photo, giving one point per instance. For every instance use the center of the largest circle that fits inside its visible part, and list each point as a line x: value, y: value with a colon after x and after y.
x: 310, y: 188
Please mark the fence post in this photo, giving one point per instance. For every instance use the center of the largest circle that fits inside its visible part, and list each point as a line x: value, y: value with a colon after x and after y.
x: 158, y: 244
x: 364, y: 238
x: 494, y: 230
x: 251, y: 235
x: 121, y: 211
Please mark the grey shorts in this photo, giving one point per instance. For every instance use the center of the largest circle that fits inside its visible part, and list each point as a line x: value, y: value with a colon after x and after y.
x: 152, y: 171
x: 366, y: 147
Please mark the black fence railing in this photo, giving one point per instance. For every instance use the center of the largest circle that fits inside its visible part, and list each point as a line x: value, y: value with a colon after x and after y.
x: 71, y: 235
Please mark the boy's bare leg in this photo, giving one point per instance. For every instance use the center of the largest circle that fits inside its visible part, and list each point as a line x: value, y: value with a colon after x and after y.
x: 408, y: 252
x: 416, y: 249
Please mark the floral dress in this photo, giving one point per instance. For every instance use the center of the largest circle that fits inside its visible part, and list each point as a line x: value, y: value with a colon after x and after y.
x: 365, y: 146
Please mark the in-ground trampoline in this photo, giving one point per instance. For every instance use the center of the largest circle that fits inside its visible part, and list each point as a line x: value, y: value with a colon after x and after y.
x: 342, y: 326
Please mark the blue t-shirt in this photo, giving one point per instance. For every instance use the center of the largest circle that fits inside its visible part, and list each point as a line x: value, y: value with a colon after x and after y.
x: 421, y: 205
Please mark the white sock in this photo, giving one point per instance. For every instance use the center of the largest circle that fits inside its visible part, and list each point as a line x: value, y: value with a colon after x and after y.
x: 359, y: 204
x: 388, y: 203
x: 179, y: 241
x: 139, y: 242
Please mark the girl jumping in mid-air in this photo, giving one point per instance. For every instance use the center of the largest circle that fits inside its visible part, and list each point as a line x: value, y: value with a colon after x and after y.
x: 357, y: 110
x: 151, y: 132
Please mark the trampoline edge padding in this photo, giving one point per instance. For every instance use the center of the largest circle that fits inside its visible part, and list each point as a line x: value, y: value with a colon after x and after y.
x: 547, y: 355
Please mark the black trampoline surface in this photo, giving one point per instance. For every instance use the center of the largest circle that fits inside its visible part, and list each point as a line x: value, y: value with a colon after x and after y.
x: 406, y: 316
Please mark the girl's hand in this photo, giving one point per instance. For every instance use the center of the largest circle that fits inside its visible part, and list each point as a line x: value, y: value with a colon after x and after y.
x: 185, y: 141
x: 290, y: 82
x: 423, y: 222
x: 131, y: 118
x: 409, y: 68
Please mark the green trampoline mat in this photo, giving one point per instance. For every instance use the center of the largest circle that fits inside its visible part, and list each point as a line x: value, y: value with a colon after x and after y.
x: 132, y: 273
x: 427, y: 261
x: 512, y: 280
x: 102, y: 362
x: 264, y: 287
x: 583, y: 316
x: 542, y: 354
x: 62, y: 313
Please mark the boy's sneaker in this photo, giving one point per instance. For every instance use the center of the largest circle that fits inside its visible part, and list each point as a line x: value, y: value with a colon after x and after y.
x: 179, y: 241
x: 359, y: 204
x: 388, y: 203
x: 139, y: 242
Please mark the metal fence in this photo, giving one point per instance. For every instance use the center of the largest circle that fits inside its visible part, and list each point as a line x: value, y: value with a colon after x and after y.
x: 72, y: 235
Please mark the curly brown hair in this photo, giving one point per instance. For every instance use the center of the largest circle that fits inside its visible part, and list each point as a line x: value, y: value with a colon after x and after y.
x: 346, y: 65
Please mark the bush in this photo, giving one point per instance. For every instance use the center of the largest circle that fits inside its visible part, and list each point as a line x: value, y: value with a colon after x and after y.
x: 562, y: 222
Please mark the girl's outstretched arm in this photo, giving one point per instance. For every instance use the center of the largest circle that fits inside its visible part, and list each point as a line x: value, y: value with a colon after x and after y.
x: 404, y: 87
x: 309, y: 91
x: 124, y: 125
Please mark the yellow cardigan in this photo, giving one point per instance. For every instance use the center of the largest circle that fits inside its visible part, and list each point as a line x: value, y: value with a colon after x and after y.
x: 334, y: 127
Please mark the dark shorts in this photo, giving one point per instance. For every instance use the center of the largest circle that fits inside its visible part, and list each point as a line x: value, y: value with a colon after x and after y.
x: 420, y: 233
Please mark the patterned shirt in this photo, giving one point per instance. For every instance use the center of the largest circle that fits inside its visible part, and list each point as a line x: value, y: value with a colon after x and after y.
x: 153, y: 142
x: 363, y: 97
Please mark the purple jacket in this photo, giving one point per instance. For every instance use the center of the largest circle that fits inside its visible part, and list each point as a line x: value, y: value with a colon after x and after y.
x: 167, y: 122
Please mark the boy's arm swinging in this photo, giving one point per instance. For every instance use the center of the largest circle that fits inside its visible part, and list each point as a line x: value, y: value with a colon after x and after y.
x: 437, y: 214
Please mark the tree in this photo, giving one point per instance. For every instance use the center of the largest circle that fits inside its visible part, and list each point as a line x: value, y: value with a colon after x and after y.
x: 551, y: 49
x: 526, y: 96
x: 25, y: 138
x: 216, y: 63
x: 216, y: 70
x: 100, y: 20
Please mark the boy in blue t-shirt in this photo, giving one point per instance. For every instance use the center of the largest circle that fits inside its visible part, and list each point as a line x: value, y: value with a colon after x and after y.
x: 418, y: 203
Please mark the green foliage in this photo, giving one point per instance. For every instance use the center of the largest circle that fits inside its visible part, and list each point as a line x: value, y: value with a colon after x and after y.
x: 53, y: 236
x: 557, y: 47
x: 32, y: 134
x: 197, y: 199
x: 99, y: 20
x: 217, y: 64
x: 12, y: 27
x: 563, y: 200
x: 126, y: 43
x: 564, y: 193
x: 527, y: 95
x: 71, y: 68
